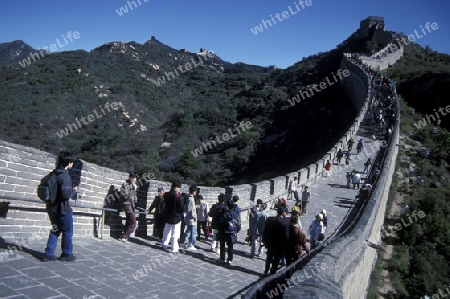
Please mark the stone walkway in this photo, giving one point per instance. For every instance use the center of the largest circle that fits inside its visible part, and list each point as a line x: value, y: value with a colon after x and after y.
x: 112, y: 269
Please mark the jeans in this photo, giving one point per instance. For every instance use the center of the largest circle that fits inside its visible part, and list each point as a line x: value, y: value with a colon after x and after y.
x: 255, y: 241
x: 60, y: 224
x: 172, y: 232
x: 130, y: 225
x: 190, y: 235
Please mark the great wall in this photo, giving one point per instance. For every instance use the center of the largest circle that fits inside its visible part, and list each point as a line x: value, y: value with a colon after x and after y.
x: 352, y: 259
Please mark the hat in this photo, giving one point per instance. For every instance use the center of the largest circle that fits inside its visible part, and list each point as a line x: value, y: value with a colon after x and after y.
x: 132, y: 175
x: 160, y: 189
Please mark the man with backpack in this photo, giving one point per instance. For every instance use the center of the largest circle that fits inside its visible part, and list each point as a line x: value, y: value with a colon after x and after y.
x: 60, y: 212
x: 228, y: 228
x: 128, y: 191
x: 159, y: 205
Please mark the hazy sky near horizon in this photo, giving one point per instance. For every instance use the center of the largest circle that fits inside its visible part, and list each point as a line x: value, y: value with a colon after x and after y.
x: 225, y: 28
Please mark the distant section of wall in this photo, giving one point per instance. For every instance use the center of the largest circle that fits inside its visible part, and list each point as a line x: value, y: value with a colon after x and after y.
x: 356, y: 86
x: 350, y: 259
x: 386, y: 60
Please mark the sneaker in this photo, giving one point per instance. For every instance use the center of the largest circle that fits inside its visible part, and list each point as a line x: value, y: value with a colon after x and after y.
x: 125, y: 240
x: 259, y: 254
x: 67, y: 258
x: 229, y: 263
x: 191, y: 248
x: 47, y: 258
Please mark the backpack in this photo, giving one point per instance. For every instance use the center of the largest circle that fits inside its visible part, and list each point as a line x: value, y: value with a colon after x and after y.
x: 48, y: 188
x: 229, y: 222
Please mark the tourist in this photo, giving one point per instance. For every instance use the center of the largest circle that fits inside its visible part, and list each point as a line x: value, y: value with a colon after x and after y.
x: 202, y: 216
x: 296, y: 242
x: 190, y: 235
x: 257, y: 224
x: 60, y: 212
x: 275, y: 236
x: 128, y: 191
x: 172, y: 217
x: 306, y: 198
x: 159, y: 205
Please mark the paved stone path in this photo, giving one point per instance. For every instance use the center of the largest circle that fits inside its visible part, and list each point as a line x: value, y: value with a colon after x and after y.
x: 112, y: 269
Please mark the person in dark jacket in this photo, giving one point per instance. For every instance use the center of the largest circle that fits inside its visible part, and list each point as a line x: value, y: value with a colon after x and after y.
x: 214, y: 214
x: 225, y: 235
x: 60, y: 212
x: 128, y: 191
x: 159, y: 205
x: 275, y: 236
x: 172, y: 217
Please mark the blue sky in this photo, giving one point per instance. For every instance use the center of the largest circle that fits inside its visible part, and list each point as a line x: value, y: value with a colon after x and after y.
x: 219, y: 26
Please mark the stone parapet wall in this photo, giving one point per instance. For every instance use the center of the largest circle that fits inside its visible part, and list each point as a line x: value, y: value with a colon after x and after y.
x: 385, y: 61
